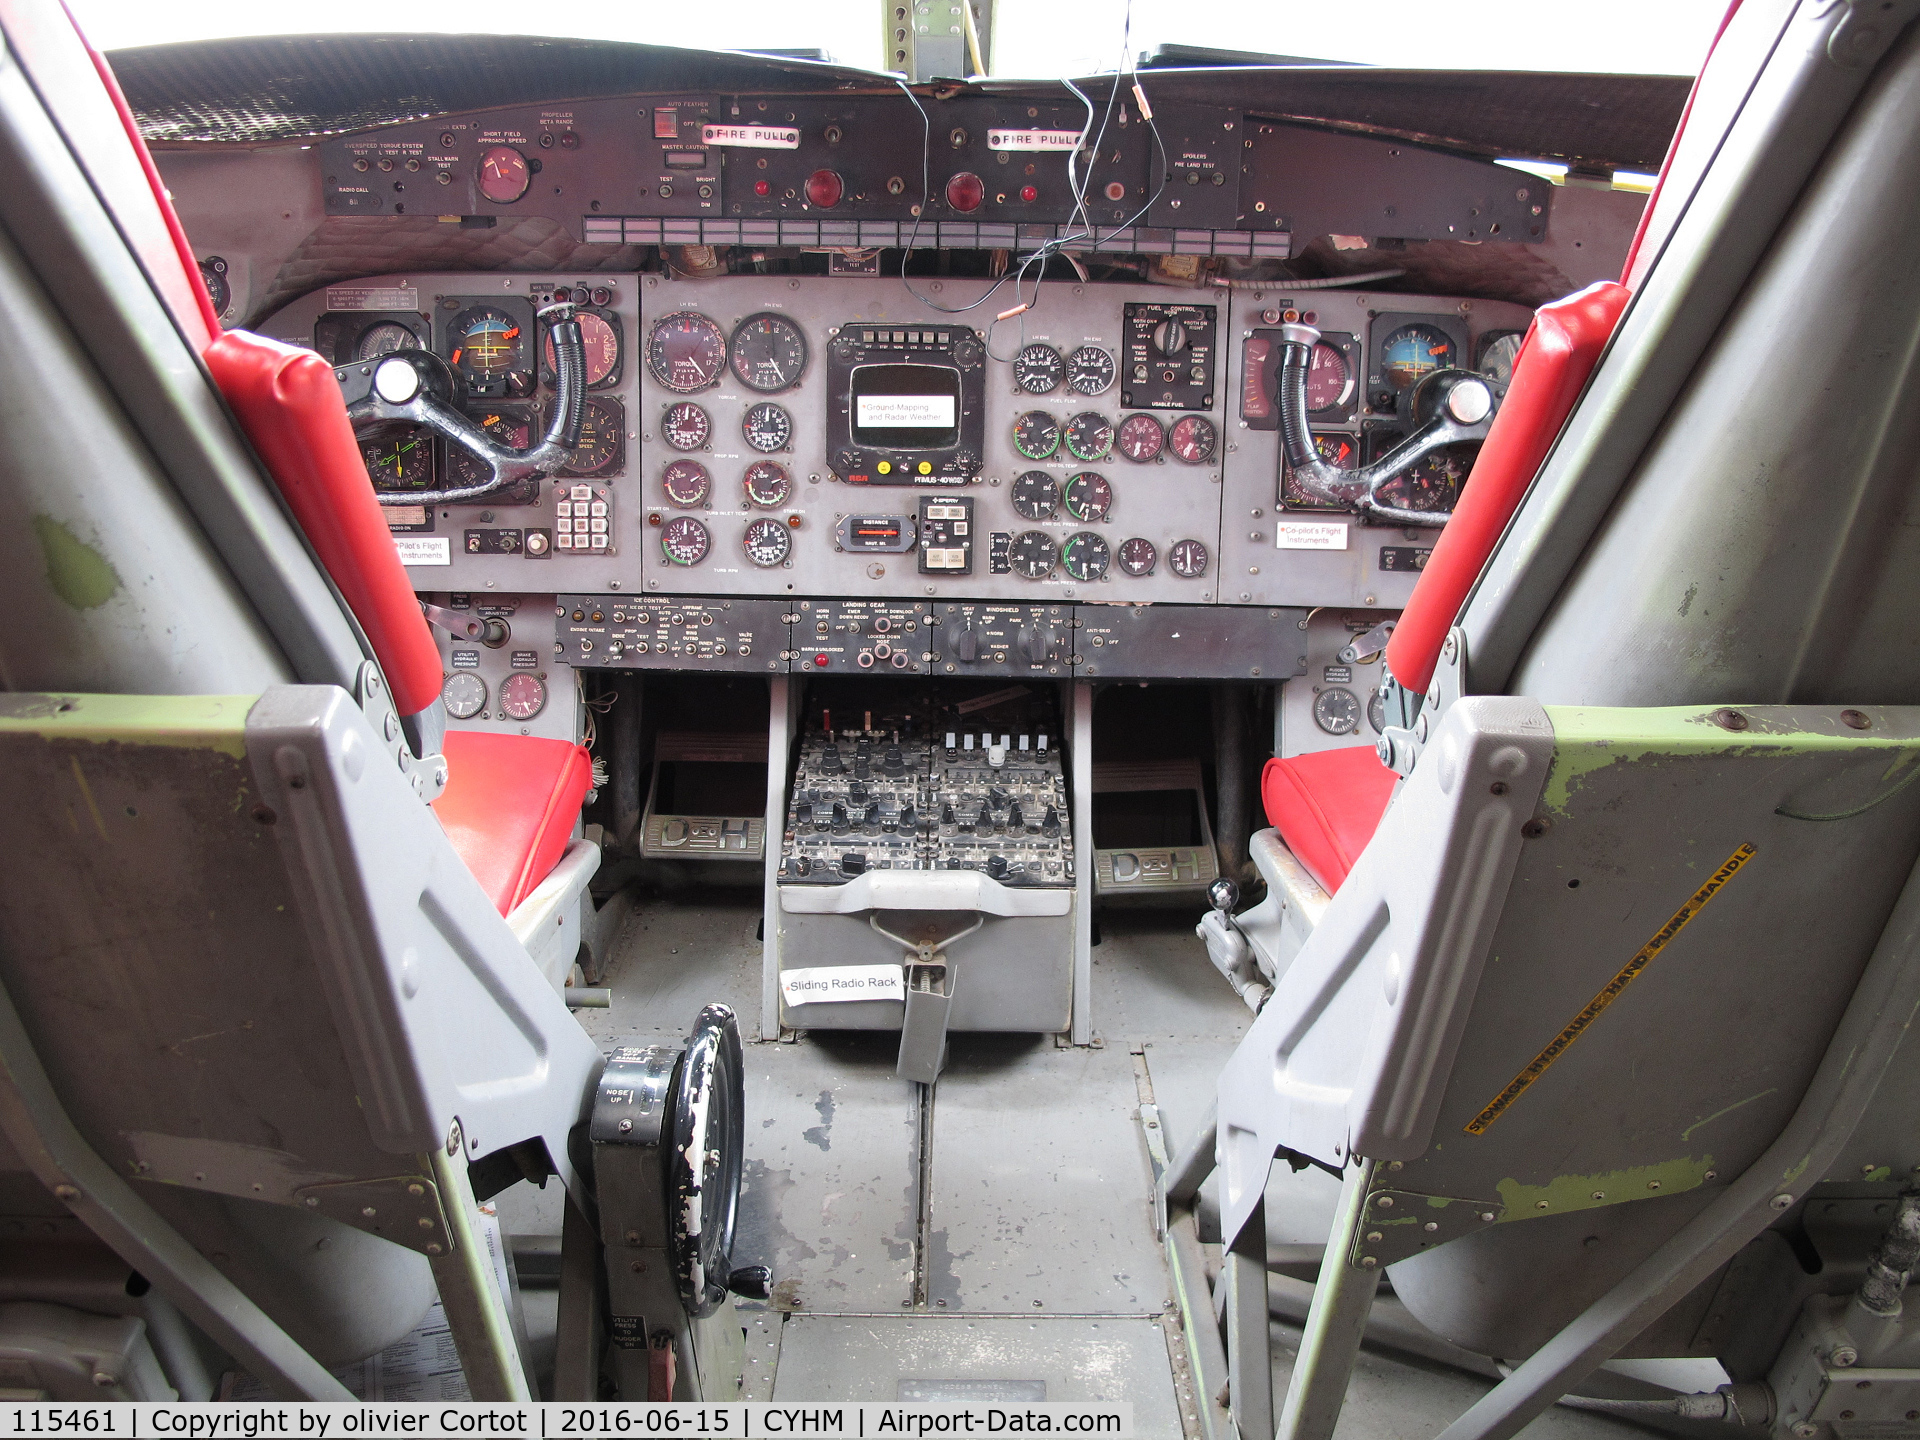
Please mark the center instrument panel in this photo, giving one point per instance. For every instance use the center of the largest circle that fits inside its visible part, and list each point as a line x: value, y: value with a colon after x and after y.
x: 790, y: 437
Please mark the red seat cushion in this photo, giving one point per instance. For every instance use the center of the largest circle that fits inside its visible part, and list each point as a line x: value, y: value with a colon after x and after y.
x: 1326, y: 807
x: 509, y: 807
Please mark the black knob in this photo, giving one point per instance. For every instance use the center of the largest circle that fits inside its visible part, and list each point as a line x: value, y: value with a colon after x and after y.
x: 1223, y: 895
x: 752, y: 1282
x: 839, y: 818
x: 853, y: 863
x: 946, y: 814
x: 1015, y: 820
x: 996, y: 865
x: 1050, y: 823
x: 906, y: 817
x: 962, y: 640
x: 802, y: 815
x: 830, y: 760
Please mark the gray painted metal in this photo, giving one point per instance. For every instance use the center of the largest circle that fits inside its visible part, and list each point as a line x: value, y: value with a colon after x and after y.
x: 477, y: 1313
x: 1081, y: 759
x: 1242, y: 1301
x: 1336, y: 1321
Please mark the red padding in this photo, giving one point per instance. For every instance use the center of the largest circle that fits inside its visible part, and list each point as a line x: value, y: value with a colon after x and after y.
x: 1326, y: 806
x: 509, y: 806
x: 1562, y: 346
x: 289, y: 404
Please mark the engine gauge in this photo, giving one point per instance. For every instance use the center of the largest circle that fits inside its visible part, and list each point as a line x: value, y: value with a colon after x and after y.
x: 1412, y: 353
x: 512, y: 428
x: 1329, y: 379
x: 1090, y: 370
x: 1036, y: 435
x: 768, y: 353
x: 522, y: 696
x: 1036, y: 495
x: 1498, y: 351
x: 600, y: 341
x: 464, y: 695
x: 767, y: 485
x: 1187, y: 559
x: 1037, y: 369
x: 600, y: 428
x: 767, y: 427
x: 1141, y: 439
x: 1137, y: 556
x: 1336, y: 710
x: 1090, y: 436
x: 1085, y: 555
x: 768, y: 542
x: 1193, y: 439
x: 685, y: 426
x: 684, y: 540
x: 383, y: 339
x: 1034, y: 554
x: 399, y: 459
x: 486, y: 345
x: 686, y: 351
x: 504, y: 174
x: 687, y: 483
x: 1089, y: 497
x: 1433, y: 484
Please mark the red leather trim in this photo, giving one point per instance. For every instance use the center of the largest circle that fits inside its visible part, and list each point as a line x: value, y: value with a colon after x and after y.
x: 1562, y: 346
x: 182, y: 247
x: 509, y: 806
x: 289, y: 404
x: 1326, y: 806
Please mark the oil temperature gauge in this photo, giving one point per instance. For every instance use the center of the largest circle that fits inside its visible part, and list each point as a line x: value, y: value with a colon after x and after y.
x: 1090, y: 370
x: 464, y: 694
x: 1337, y: 711
x: 1036, y: 435
x: 684, y: 540
x: 1085, y: 556
x: 768, y: 542
x: 687, y: 483
x: 523, y: 696
x: 1089, y: 497
x: 767, y: 485
x: 1141, y: 439
x: 1187, y: 559
x: 1137, y: 556
x: 1193, y: 439
x: 1036, y: 495
x: 1090, y: 436
x: 686, y: 426
x: 1037, y: 369
x: 767, y: 427
x: 1034, y: 554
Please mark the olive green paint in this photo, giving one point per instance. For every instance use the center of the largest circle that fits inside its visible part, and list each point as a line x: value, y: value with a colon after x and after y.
x: 79, y: 574
x: 186, y: 722
x: 1590, y: 1192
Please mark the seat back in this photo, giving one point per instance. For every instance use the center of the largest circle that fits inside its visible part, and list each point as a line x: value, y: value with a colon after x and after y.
x: 1575, y: 989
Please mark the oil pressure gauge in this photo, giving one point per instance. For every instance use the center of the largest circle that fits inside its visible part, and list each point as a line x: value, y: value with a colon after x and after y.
x: 1034, y: 554
x: 1036, y: 495
x: 1085, y: 556
x: 1089, y: 497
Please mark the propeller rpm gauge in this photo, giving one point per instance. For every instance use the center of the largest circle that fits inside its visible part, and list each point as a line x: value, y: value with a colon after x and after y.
x: 767, y: 427
x: 686, y: 426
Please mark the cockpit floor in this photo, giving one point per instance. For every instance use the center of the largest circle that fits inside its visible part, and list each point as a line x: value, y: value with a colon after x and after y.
x: 992, y: 1240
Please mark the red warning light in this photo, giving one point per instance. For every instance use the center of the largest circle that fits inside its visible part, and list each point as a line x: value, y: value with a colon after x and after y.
x: 966, y: 191
x: 824, y: 189
x: 761, y: 187
x: 1029, y: 193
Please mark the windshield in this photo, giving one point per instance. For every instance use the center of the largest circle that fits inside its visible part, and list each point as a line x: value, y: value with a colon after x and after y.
x: 1029, y: 38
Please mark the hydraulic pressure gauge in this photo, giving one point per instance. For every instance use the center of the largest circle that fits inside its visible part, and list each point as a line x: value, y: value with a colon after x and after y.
x: 522, y: 696
x: 1089, y: 497
x: 686, y: 351
x: 464, y: 695
x: 686, y: 426
x: 1036, y: 435
x: 767, y: 427
x: 1337, y: 710
x: 1137, y: 556
x: 1141, y: 439
x: 1084, y: 556
x: 1090, y: 370
x: 768, y: 542
x: 1090, y: 436
x: 600, y: 426
x: 767, y: 485
x: 504, y: 174
x: 768, y: 353
x: 1034, y: 554
x: 1037, y: 369
x: 687, y: 484
x: 684, y: 540
x: 1187, y: 559
x: 1036, y: 495
x: 1193, y: 439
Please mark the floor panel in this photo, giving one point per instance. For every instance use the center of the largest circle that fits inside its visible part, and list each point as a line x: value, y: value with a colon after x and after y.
x: 1152, y: 980
x: 676, y: 954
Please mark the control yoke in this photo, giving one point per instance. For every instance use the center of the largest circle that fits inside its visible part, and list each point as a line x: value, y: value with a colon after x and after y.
x: 1451, y: 406
x: 418, y: 387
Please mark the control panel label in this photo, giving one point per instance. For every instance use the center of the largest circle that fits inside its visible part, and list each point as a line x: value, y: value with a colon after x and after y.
x: 372, y: 297
x: 1310, y: 535
x: 753, y: 137
x: 1404, y: 557
x: 1034, y: 139
x: 832, y: 984
x: 904, y: 412
x: 424, y: 549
